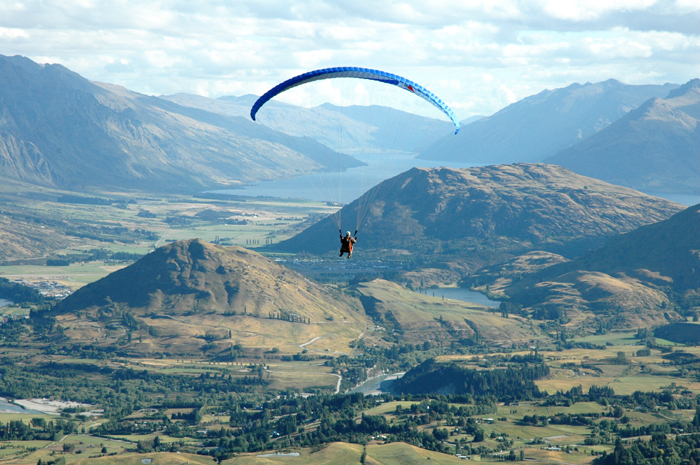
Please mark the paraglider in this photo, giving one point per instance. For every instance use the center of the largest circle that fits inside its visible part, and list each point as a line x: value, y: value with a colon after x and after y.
x: 347, y: 242
x: 357, y: 73
x: 393, y: 81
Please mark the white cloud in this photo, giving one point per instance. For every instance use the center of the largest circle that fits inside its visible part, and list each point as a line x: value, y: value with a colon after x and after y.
x: 477, y: 55
x: 585, y: 10
x: 13, y: 33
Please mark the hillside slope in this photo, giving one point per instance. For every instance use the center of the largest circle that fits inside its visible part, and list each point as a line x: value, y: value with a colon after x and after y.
x: 643, y: 278
x: 541, y: 125
x: 663, y: 253
x: 486, y: 212
x: 58, y: 129
x: 654, y: 148
x: 191, y: 289
x: 419, y: 318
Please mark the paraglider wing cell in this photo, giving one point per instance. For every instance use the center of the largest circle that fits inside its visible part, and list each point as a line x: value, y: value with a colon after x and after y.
x: 357, y: 73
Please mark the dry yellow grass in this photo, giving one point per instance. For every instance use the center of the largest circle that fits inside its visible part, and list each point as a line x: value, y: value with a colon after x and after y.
x: 421, y: 316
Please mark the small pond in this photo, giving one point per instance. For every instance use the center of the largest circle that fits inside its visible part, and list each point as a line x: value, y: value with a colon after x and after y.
x: 457, y: 293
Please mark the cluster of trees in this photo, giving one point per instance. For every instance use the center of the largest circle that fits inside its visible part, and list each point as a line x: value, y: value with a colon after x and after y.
x: 18, y: 293
x: 516, y: 382
x: 37, y: 429
x: 91, y: 255
x: 121, y: 391
x: 659, y: 450
x: 112, y: 233
x: 283, y: 420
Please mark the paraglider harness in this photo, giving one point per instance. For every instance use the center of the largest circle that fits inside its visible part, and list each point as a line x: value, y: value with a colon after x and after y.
x: 347, y: 243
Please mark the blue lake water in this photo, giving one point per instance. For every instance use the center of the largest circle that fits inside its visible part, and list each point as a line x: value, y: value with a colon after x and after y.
x: 344, y: 187
x: 465, y: 295
x: 5, y: 302
x: 340, y: 187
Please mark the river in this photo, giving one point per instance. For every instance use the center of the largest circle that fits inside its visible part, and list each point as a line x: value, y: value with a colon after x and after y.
x: 377, y: 385
x: 7, y: 407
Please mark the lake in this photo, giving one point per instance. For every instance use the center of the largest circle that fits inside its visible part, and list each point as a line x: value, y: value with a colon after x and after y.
x: 340, y: 187
x: 6, y: 303
x: 465, y: 295
x: 351, y: 184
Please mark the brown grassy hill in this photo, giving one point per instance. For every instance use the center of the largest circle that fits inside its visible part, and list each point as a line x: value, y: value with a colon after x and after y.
x: 192, y: 289
x: 496, y: 278
x: 666, y: 253
x: 663, y: 253
x: 641, y: 278
x: 488, y: 214
x: 585, y: 298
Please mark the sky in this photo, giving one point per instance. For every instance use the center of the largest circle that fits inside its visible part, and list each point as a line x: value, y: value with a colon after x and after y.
x: 477, y: 56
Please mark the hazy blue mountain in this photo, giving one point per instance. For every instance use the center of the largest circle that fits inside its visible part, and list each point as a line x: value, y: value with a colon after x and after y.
x: 364, y: 128
x: 59, y: 129
x: 541, y: 125
x: 655, y: 148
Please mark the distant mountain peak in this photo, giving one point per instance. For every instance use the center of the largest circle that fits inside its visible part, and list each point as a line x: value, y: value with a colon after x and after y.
x: 692, y: 85
x: 247, y: 99
x: 653, y: 148
x: 541, y: 125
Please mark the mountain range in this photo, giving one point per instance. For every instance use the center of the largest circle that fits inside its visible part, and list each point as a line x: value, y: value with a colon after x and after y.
x: 61, y: 130
x: 350, y: 129
x: 654, y: 148
x: 541, y: 125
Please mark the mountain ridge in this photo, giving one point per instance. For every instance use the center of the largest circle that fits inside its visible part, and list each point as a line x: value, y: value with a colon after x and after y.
x: 541, y: 125
x: 60, y: 130
x: 645, y: 277
x: 485, y: 212
x: 653, y: 148
x: 364, y: 128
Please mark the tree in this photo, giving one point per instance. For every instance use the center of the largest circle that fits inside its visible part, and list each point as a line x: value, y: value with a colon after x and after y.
x: 696, y: 418
x: 39, y: 423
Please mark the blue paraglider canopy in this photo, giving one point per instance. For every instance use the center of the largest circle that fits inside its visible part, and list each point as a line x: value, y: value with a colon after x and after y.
x: 357, y: 73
